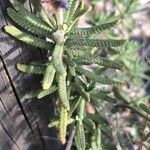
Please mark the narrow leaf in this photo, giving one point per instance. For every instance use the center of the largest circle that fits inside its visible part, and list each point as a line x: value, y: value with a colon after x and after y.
x: 31, y: 69
x: 57, y: 59
x: 80, y: 136
x: 43, y: 93
x: 63, y: 122
x: 94, y: 42
x: 144, y: 108
x: 81, y: 56
x: 48, y: 77
x: 63, y: 92
x: 93, y: 30
x: 28, y: 23
x: 27, y: 38
x: 96, y: 78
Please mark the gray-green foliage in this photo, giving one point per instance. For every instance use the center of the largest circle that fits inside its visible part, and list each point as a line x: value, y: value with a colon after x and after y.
x: 63, y: 71
x: 133, y: 74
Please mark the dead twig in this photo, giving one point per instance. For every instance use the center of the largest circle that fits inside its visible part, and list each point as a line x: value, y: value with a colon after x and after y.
x: 70, y: 141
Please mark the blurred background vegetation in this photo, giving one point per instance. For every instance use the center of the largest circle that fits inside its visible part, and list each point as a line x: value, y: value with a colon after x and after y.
x: 130, y: 129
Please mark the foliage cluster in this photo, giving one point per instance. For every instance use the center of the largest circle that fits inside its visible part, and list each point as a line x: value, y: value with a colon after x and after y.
x: 77, y: 72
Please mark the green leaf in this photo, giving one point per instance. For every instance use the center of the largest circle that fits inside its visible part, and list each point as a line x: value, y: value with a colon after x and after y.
x: 104, y: 97
x: 33, y: 18
x: 29, y: 24
x: 57, y: 58
x: 73, y: 7
x: 89, y: 124
x: 80, y: 136
x: 40, y: 63
x: 80, y: 10
x: 74, y: 104
x: 55, y: 123
x: 94, y: 42
x: 79, y: 13
x: 101, y: 90
x: 39, y: 9
x: 81, y: 91
x: 97, y: 118
x: 94, y: 29
x: 81, y: 56
x: 92, y: 143
x: 62, y: 91
x: 98, y: 138
x: 95, y: 140
x: 40, y: 94
x: 43, y: 93
x: 48, y: 77
x: 63, y: 122
x: 72, y: 70
x: 31, y: 69
x: 27, y: 38
x: 81, y: 109
x: 96, y: 78
x: 144, y: 108
x: 30, y: 95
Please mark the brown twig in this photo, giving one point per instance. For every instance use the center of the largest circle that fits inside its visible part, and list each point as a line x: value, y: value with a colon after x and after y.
x: 70, y: 141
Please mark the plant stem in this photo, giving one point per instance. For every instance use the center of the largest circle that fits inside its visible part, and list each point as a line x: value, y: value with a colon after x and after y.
x: 60, y: 18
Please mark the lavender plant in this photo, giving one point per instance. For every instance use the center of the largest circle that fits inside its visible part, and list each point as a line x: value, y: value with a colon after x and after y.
x: 71, y: 69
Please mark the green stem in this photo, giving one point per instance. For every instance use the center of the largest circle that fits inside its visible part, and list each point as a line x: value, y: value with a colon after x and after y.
x: 60, y: 18
x: 57, y: 59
